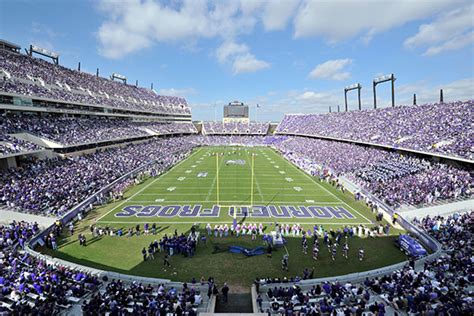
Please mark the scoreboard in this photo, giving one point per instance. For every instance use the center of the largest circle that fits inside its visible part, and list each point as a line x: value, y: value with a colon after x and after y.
x: 236, y: 111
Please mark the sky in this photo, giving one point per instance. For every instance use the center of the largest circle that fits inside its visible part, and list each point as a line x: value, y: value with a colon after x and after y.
x: 287, y: 56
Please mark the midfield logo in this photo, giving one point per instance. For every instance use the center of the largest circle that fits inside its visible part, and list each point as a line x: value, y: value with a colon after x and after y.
x: 235, y: 162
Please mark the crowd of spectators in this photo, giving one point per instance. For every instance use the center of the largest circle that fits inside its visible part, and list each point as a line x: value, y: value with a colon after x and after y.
x: 54, y: 186
x: 326, y: 298
x: 216, y: 140
x: 337, y: 157
x: 396, y: 179
x: 221, y: 128
x: 29, y: 286
x: 30, y: 76
x: 16, y: 232
x: 74, y: 130
x: 435, y: 183
x: 444, y: 128
x: 10, y: 145
x: 440, y: 287
x: 169, y: 128
x: 137, y: 299
x: 454, y: 232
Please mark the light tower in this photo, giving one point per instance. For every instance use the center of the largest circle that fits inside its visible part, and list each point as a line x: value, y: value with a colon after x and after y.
x: 353, y: 87
x: 383, y: 79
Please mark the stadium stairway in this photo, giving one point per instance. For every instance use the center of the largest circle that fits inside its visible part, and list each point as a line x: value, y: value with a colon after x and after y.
x: 236, y: 303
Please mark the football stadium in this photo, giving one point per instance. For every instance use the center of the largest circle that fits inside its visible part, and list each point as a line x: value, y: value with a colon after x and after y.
x: 257, y: 185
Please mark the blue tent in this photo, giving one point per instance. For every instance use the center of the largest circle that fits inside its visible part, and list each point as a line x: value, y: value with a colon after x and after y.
x: 411, y: 246
x: 246, y: 251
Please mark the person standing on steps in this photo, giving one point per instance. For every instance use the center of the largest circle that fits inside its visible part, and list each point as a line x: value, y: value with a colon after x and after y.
x: 394, y: 218
x: 225, y: 292
x: 215, y: 291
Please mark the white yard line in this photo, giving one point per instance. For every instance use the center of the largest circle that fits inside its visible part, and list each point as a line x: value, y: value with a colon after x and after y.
x: 212, y: 186
x: 146, y: 186
x: 335, y: 196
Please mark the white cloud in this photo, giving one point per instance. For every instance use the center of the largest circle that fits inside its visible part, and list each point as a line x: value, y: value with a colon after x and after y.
x: 248, y: 63
x: 132, y: 25
x: 455, y: 43
x: 338, y: 20
x: 450, y: 31
x: 240, y: 57
x: 276, y: 14
x: 229, y: 49
x: 462, y: 89
x: 332, y: 69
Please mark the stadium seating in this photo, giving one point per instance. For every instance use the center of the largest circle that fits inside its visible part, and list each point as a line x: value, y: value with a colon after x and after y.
x: 444, y: 128
x: 440, y: 287
x: 54, y: 186
x: 169, y: 128
x: 393, y: 178
x: 35, y: 77
x: 137, y: 299
x: 221, y: 128
x: 70, y: 131
x: 215, y: 140
x: 31, y: 286
x: 10, y: 145
x: 396, y: 180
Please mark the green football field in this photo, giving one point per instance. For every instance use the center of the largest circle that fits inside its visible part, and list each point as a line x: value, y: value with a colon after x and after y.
x: 213, y: 183
x: 205, y: 188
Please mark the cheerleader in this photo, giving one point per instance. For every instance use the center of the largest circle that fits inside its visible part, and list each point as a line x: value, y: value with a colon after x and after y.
x: 226, y: 230
x: 345, y: 251
x: 287, y: 229
x: 298, y: 230
x: 334, y: 252
x: 315, y: 251
x: 361, y: 254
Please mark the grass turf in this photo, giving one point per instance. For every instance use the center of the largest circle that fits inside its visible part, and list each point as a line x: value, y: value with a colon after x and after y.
x: 275, y: 182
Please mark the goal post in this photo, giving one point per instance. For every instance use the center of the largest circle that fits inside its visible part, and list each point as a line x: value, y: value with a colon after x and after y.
x: 251, y: 182
x: 217, y: 179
